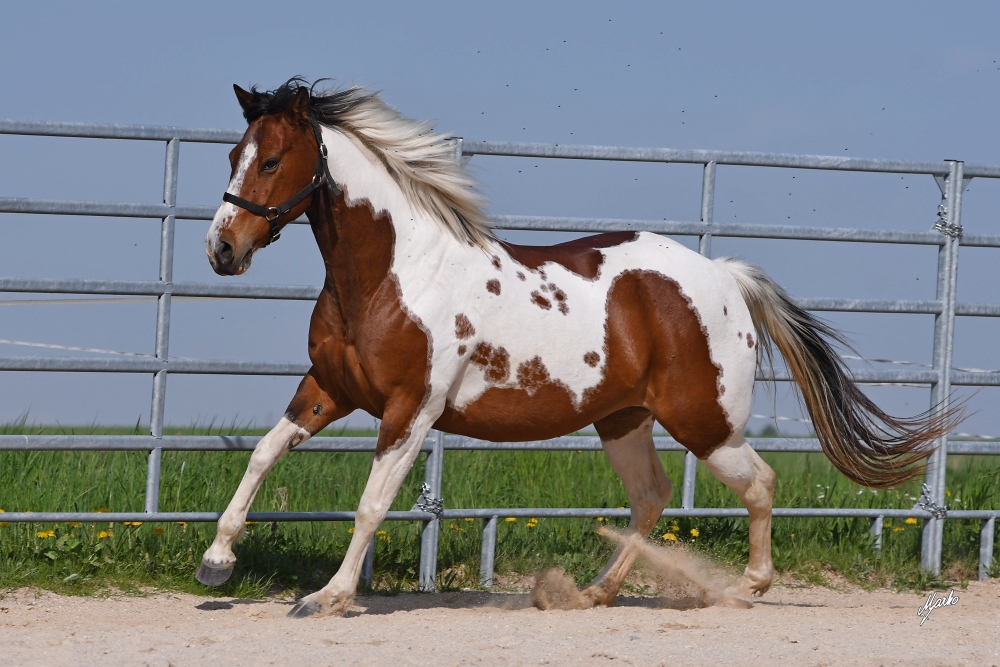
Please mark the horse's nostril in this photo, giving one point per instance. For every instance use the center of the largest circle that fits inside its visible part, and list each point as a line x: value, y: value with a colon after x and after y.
x: 224, y: 254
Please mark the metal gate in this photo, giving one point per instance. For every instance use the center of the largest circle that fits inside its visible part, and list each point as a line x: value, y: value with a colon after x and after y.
x: 952, y: 177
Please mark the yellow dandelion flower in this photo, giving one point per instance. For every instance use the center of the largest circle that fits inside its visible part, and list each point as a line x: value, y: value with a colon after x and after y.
x: 670, y: 536
x: 45, y: 534
x: 897, y: 529
x: 104, y: 534
x: 511, y: 519
x: 351, y: 530
x: 947, y: 493
x: 133, y: 523
x: 469, y: 519
x: 158, y: 531
x: 380, y: 532
x: 911, y: 521
x: 4, y: 523
x: 103, y: 510
x: 453, y: 526
x: 793, y: 536
x: 182, y: 524
x: 251, y: 523
x: 694, y: 532
x: 600, y: 518
x: 73, y: 524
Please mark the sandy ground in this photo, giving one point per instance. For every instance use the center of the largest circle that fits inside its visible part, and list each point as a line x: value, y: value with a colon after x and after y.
x: 790, y: 625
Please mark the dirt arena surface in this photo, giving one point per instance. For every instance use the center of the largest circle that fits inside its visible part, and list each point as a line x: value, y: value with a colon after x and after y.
x: 794, y: 626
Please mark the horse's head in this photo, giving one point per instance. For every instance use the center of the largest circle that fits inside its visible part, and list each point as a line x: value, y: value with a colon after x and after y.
x: 276, y: 168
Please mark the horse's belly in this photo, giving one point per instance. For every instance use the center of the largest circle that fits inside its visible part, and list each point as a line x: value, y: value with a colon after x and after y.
x: 508, y: 414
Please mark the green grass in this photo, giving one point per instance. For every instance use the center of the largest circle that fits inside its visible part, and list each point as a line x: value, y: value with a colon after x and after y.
x: 292, y: 557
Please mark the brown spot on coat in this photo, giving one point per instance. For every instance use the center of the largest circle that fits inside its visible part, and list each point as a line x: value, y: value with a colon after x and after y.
x: 725, y: 311
x: 461, y: 350
x: 463, y: 327
x: 592, y: 359
x: 563, y: 308
x: 749, y: 340
x: 739, y: 334
x: 520, y: 274
x: 581, y: 256
x: 540, y: 301
x: 493, y: 286
x: 496, y: 263
x: 495, y: 362
x: 532, y: 375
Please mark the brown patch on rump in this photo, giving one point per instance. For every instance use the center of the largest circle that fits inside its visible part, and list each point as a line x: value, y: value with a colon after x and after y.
x: 493, y: 286
x: 749, y: 340
x: 580, y: 256
x: 495, y: 361
x: 463, y: 327
x: 619, y: 424
x: 496, y: 263
x: 532, y: 375
x: 540, y: 301
x: 461, y: 350
x: 592, y: 359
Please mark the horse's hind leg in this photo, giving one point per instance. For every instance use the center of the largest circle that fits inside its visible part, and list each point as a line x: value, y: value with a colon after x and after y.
x: 739, y: 467
x: 627, y: 438
x: 313, y: 409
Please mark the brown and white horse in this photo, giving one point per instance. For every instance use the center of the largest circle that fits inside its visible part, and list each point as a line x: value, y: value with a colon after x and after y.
x: 427, y: 320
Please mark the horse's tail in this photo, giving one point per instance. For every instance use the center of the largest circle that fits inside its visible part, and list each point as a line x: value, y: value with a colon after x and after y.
x: 866, y: 444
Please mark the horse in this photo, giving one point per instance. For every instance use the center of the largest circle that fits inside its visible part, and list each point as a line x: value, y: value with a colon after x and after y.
x: 426, y: 319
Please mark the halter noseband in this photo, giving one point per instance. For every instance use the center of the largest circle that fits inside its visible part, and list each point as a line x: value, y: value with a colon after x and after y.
x: 272, y: 213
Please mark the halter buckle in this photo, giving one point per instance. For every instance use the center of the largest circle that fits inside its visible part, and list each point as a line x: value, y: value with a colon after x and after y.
x: 272, y: 214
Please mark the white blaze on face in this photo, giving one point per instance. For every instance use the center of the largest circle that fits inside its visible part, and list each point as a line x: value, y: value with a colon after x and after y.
x: 228, y: 211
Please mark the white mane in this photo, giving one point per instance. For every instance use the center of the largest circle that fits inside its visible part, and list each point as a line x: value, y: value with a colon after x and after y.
x: 424, y: 164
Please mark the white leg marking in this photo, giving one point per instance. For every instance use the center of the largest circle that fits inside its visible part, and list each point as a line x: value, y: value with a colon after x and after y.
x: 387, y: 475
x: 738, y: 466
x: 269, y: 450
x: 634, y: 458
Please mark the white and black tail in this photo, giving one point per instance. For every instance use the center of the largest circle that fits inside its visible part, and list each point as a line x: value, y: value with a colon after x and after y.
x: 866, y: 444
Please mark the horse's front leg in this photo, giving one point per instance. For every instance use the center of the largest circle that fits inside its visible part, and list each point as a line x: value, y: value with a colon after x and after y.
x: 311, y: 410
x: 399, y: 440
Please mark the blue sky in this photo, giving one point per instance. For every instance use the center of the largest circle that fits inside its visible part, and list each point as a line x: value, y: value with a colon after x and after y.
x: 908, y: 80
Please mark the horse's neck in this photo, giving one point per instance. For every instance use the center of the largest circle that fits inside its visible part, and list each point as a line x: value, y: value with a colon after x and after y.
x: 370, y: 227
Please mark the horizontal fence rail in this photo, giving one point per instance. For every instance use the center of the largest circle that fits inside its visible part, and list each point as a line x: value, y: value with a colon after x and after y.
x: 952, y: 177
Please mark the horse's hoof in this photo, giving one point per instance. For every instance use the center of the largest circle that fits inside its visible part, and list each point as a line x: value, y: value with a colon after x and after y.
x: 303, y: 609
x: 213, y: 575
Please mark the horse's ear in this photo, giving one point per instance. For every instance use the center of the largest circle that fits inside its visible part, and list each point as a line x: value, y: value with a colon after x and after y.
x: 299, y: 108
x: 245, y: 98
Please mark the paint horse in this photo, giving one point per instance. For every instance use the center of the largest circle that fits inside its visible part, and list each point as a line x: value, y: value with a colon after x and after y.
x: 428, y: 320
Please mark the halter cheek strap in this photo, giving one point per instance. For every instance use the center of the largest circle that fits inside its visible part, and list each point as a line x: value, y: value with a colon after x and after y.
x: 272, y: 213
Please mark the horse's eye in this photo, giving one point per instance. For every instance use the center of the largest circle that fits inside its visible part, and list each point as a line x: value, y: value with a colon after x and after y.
x: 271, y: 164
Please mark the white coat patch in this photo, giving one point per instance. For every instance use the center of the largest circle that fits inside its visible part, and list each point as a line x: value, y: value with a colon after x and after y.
x: 522, y: 316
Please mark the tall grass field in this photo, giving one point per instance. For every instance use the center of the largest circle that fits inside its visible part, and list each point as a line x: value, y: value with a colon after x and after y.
x: 295, y: 557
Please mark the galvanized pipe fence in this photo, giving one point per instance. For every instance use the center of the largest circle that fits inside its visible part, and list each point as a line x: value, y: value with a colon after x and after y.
x: 948, y: 235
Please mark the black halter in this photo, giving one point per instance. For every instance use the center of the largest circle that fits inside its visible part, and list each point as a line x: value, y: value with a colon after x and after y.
x: 272, y: 213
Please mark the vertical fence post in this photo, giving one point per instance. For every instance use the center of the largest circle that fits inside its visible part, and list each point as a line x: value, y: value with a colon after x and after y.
x: 162, y: 324
x: 949, y: 223
x: 487, y: 553
x: 429, y: 537
x: 368, y: 566
x: 986, y: 533
x: 876, y: 533
x: 705, y: 248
